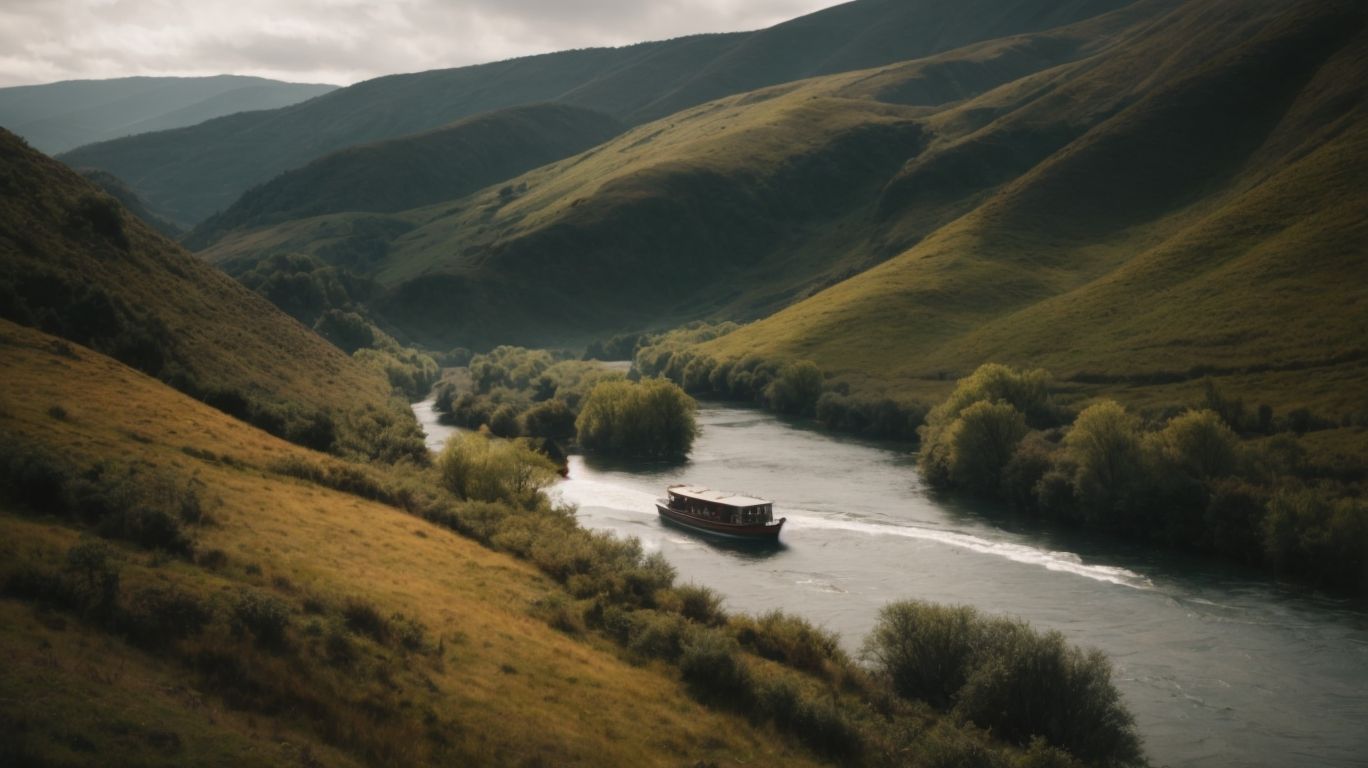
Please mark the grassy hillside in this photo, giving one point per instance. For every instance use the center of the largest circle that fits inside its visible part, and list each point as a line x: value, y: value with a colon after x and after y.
x: 111, y: 185
x: 467, y: 690
x: 737, y: 207
x: 418, y: 170
x: 192, y: 173
x: 56, y: 117
x: 1190, y: 203
x: 75, y: 263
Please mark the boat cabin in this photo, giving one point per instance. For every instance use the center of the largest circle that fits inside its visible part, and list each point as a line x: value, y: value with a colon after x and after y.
x: 723, y: 507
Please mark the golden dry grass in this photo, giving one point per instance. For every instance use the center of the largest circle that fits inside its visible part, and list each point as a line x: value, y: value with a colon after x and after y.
x: 511, y: 689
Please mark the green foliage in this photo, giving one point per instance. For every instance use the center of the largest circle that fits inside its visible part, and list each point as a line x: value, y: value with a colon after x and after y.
x: 264, y: 617
x: 1002, y: 675
x: 476, y: 466
x: 1104, y: 448
x: 969, y: 439
x: 347, y: 331
x: 551, y: 419
x: 132, y: 502
x: 647, y: 419
x: 623, y: 346
x: 712, y: 666
x: 879, y: 417
x: 1199, y: 444
x: 1312, y: 531
x: 701, y: 605
x: 791, y: 640
x: 796, y: 389
x: 1027, y: 391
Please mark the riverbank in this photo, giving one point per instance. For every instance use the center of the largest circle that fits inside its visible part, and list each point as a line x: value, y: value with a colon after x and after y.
x: 1220, y: 666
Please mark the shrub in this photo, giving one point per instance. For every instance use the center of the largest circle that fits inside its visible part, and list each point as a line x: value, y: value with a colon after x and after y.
x: 552, y: 419
x: 714, y: 671
x: 263, y: 616
x: 796, y: 389
x: 1311, y: 532
x: 504, y: 421
x: 559, y: 613
x: 657, y: 636
x: 475, y: 466
x: 700, y: 604
x: 159, y: 615
x: 410, y: 634
x: 1026, y: 391
x: 924, y: 650
x: 1199, y: 444
x: 982, y: 441
x: 1004, y: 676
x: 365, y: 619
x: 649, y: 419
x: 790, y: 639
x: 1104, y: 446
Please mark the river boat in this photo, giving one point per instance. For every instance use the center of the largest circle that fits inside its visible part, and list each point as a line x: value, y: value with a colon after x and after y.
x: 719, y: 513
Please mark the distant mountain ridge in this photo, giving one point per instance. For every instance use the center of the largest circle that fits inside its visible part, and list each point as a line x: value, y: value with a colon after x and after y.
x: 56, y: 117
x: 192, y: 173
x: 413, y: 171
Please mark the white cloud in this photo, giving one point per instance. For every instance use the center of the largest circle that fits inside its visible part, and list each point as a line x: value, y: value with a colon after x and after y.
x: 337, y: 41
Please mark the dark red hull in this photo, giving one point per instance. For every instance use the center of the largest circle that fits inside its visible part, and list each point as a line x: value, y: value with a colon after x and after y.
x: 763, y: 532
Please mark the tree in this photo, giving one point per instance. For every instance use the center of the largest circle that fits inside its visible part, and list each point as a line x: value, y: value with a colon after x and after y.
x: 1104, y: 445
x: 796, y: 389
x: 1200, y: 444
x: 476, y: 466
x: 982, y: 441
x: 653, y: 418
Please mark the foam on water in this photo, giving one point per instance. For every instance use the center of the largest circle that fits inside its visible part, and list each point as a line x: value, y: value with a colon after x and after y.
x: 1066, y: 562
x: 586, y: 492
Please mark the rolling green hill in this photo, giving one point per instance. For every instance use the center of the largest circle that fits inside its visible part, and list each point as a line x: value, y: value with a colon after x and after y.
x: 413, y: 171
x: 735, y: 208
x: 114, y: 187
x: 56, y: 117
x: 192, y: 173
x: 1136, y: 201
x: 74, y: 263
x: 1194, y: 202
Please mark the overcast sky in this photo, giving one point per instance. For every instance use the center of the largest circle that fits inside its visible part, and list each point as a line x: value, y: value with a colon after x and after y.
x: 336, y: 41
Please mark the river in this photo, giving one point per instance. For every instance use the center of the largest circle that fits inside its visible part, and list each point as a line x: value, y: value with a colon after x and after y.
x: 1220, y: 667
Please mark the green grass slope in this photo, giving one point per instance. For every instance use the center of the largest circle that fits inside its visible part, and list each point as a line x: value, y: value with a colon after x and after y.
x: 56, y: 117
x: 413, y: 171
x: 1192, y: 202
x: 194, y: 172
x: 114, y: 187
x: 737, y: 207
x: 75, y: 263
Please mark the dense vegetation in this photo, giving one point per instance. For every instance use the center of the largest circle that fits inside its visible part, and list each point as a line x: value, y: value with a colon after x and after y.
x: 1002, y: 675
x: 331, y: 300
x: 651, y: 419
x: 513, y: 391
x: 797, y: 388
x: 1183, y: 478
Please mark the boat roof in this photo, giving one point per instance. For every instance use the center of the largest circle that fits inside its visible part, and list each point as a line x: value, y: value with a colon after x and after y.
x: 716, y: 497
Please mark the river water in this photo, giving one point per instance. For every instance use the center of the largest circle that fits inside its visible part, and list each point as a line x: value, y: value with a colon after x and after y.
x: 1219, y: 666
